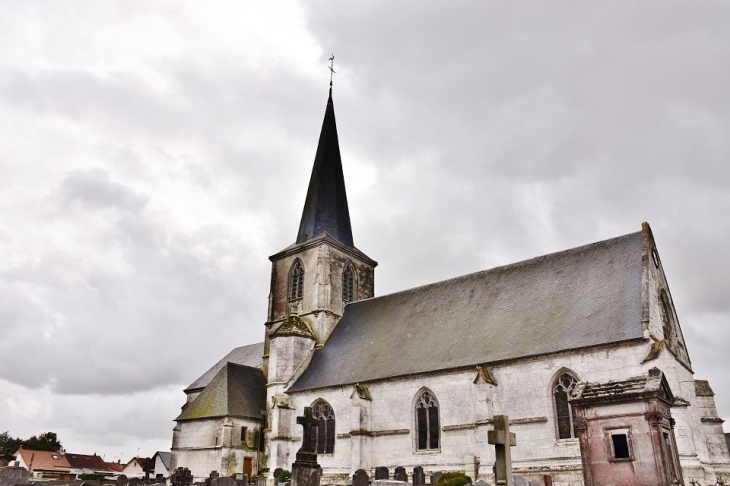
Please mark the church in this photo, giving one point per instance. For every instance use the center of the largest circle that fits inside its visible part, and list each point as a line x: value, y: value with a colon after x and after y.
x: 581, y: 349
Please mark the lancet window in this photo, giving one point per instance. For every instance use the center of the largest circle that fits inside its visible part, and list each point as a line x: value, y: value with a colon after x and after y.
x: 427, y: 422
x: 296, y: 281
x: 564, y: 412
x: 323, y: 435
x: 348, y: 284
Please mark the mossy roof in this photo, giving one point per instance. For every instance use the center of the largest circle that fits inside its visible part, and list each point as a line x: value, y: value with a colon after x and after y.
x: 235, y: 391
x: 582, y: 297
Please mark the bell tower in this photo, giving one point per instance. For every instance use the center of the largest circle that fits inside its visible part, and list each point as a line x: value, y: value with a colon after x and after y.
x: 314, y: 278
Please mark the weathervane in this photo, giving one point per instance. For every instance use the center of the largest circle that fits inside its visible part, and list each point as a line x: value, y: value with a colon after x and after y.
x: 332, y: 69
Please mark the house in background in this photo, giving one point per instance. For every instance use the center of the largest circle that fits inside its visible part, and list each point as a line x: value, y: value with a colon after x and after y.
x: 160, y: 465
x: 85, y: 464
x: 45, y: 464
x: 137, y: 468
x: 115, y: 467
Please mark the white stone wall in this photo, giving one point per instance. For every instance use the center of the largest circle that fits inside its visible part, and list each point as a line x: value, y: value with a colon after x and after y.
x: 214, y: 444
x: 524, y: 392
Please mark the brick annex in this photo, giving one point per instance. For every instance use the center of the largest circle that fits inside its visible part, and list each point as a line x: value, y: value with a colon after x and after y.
x: 582, y: 349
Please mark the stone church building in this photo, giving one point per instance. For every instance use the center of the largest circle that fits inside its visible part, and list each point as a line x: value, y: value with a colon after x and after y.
x: 582, y: 349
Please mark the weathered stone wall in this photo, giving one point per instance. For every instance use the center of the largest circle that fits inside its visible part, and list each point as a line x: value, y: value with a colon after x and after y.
x: 214, y: 445
x: 386, y: 436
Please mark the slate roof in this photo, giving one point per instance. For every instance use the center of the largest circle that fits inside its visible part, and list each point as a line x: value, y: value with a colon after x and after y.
x: 325, y: 208
x: 250, y: 355
x: 164, y: 457
x: 235, y: 391
x: 582, y: 297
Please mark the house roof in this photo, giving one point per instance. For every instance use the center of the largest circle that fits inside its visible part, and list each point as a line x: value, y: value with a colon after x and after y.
x: 250, y: 355
x: 164, y: 457
x: 325, y: 208
x: 235, y: 391
x: 582, y: 297
x: 44, y: 460
x: 84, y: 461
x: 651, y: 384
x: 114, y: 466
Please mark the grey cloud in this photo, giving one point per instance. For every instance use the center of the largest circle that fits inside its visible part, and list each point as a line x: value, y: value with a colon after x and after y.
x: 95, y: 189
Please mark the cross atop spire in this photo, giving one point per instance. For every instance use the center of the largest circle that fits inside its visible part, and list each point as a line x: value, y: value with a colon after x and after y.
x: 332, y: 68
x: 325, y: 209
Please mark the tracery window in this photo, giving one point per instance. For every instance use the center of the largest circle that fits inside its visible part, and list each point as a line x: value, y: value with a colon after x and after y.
x: 296, y: 280
x: 564, y: 412
x: 348, y: 284
x: 323, y: 435
x: 427, y: 422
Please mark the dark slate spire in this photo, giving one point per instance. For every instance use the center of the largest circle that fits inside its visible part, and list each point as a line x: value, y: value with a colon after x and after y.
x: 325, y: 209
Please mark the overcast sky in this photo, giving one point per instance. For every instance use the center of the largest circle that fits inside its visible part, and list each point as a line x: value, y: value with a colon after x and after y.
x: 154, y: 154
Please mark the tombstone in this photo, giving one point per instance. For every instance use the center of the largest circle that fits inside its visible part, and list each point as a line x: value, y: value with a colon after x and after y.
x: 360, y: 478
x: 382, y: 473
x: 520, y: 481
x: 14, y: 475
x: 260, y: 480
x: 419, y: 477
x: 435, y: 476
x: 481, y: 482
x: 305, y: 470
x: 502, y: 439
x: 400, y: 474
x: 277, y: 474
x: 122, y: 479
x: 244, y: 478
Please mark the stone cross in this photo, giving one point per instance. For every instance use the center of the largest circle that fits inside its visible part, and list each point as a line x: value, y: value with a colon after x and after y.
x: 307, y: 422
x: 502, y: 439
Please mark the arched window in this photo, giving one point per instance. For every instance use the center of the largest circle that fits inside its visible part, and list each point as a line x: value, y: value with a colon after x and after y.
x: 348, y: 284
x: 427, y: 422
x: 323, y: 435
x: 296, y: 280
x: 564, y: 413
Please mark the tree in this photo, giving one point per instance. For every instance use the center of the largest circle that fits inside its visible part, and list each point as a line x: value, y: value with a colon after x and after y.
x: 47, y: 441
x: 8, y: 446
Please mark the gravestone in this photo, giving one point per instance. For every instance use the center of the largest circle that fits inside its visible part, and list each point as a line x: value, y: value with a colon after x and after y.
x: 305, y: 470
x: 435, y: 476
x: 382, y: 473
x: 122, y: 479
x: 502, y: 439
x: 520, y: 481
x: 360, y: 478
x: 260, y: 480
x: 419, y: 477
x: 481, y: 482
x: 14, y: 475
x: 400, y: 474
x: 277, y: 474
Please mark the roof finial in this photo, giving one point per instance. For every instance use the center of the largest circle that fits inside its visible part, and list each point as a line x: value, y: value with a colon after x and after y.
x: 332, y: 69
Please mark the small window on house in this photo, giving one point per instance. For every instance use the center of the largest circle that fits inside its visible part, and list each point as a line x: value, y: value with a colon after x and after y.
x: 296, y: 281
x: 620, y: 443
x: 243, y: 434
x: 564, y: 412
x: 620, y: 446
x: 54, y: 456
x: 427, y: 422
x: 323, y: 435
x: 348, y: 284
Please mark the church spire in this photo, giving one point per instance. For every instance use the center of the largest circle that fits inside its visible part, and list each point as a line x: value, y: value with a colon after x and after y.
x: 325, y: 209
